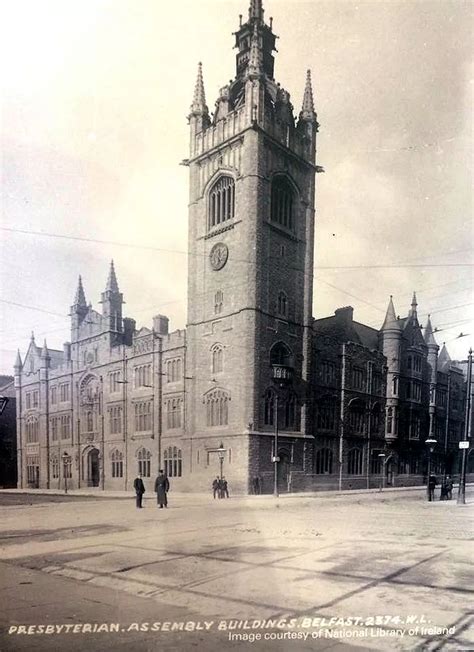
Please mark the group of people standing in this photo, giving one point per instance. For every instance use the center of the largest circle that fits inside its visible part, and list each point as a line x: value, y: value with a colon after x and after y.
x: 446, y: 487
x: 162, y: 486
x: 220, y: 488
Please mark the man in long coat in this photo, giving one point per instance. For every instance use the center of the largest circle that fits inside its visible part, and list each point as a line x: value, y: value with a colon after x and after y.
x: 162, y: 486
x: 139, y: 489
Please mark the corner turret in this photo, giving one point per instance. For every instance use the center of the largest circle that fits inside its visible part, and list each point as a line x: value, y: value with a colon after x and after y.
x: 391, y: 335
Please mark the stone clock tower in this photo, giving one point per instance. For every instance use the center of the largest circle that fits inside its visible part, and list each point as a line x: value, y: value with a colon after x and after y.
x: 251, y: 234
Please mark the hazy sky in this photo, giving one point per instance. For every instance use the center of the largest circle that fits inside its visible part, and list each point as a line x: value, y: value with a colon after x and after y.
x: 95, y: 96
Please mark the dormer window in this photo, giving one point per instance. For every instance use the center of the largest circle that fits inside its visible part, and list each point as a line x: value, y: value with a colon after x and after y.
x: 221, y: 201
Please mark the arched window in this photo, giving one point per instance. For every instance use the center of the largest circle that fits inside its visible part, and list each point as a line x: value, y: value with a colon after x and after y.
x: 375, y: 418
x: 217, y: 352
x: 32, y: 431
x: 172, y: 459
x: 117, y: 464
x: 217, y: 407
x: 55, y: 467
x: 282, y: 205
x: 289, y: 414
x: 173, y: 413
x: 326, y: 413
x: 269, y: 407
x: 354, y: 462
x: 323, y: 461
x: 221, y: 201
x: 357, y: 418
x: 280, y: 354
x: 282, y: 304
x: 389, y: 423
x: 144, y: 462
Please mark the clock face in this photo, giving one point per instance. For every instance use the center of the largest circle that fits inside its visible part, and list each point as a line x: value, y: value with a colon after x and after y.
x: 218, y: 256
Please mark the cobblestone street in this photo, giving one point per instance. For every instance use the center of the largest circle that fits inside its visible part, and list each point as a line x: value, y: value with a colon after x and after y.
x: 305, y: 560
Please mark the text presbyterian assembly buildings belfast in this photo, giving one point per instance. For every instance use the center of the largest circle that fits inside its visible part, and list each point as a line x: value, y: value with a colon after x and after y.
x: 117, y: 400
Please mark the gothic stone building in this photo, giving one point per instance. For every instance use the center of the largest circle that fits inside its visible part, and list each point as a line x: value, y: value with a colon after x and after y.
x: 118, y: 400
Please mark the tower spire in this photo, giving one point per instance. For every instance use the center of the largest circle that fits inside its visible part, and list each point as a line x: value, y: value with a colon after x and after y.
x: 429, y: 335
x: 199, y: 107
x: 256, y: 9
x: 18, y: 362
x: 256, y: 59
x: 80, y: 298
x: 112, y: 285
x: 390, y: 322
x: 414, y: 306
x: 307, y: 110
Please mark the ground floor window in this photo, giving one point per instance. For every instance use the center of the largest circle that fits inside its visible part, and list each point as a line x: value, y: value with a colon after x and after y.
x: 376, y: 462
x: 117, y: 464
x: 173, y: 462
x: 55, y: 467
x: 323, y: 461
x: 354, y: 462
x: 144, y: 462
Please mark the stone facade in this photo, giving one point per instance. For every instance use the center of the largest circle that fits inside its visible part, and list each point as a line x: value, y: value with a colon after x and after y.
x: 254, y: 385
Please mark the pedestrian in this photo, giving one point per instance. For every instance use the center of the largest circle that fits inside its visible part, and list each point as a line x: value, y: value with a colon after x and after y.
x: 139, y: 489
x: 431, y: 487
x: 162, y: 486
x: 215, y: 487
x: 443, y: 495
x: 256, y: 486
x: 449, y: 487
x: 225, y: 488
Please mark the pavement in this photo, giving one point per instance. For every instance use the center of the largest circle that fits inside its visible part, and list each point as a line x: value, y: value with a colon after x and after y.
x: 358, y: 571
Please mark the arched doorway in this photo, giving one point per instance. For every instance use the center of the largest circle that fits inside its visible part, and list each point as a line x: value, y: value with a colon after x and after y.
x: 93, y: 468
x: 283, y: 471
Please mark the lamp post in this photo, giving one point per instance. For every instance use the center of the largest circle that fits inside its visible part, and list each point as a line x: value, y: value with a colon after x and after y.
x: 431, y: 443
x: 382, y: 457
x: 464, y: 445
x: 221, y: 453
x: 66, y: 466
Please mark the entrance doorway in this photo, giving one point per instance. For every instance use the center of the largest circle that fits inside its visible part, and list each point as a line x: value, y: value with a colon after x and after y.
x: 93, y: 470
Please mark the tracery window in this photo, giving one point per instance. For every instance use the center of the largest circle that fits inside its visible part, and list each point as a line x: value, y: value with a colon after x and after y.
x: 142, y: 375
x: 282, y: 203
x: 217, y: 407
x: 172, y: 459
x: 221, y: 201
x: 323, y: 461
x: 143, y: 416
x: 173, y: 413
x: 117, y: 463
x: 32, y: 431
x: 354, y: 462
x: 269, y: 407
x: 174, y: 370
x: 54, y: 467
x: 115, y: 419
x: 326, y: 414
x: 144, y: 462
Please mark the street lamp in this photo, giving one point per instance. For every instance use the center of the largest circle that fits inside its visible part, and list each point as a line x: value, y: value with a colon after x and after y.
x: 221, y: 451
x: 431, y: 443
x: 464, y: 444
x: 382, y: 457
x: 67, y: 460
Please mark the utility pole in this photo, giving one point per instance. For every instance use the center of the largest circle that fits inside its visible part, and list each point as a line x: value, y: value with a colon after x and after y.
x: 467, y: 433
